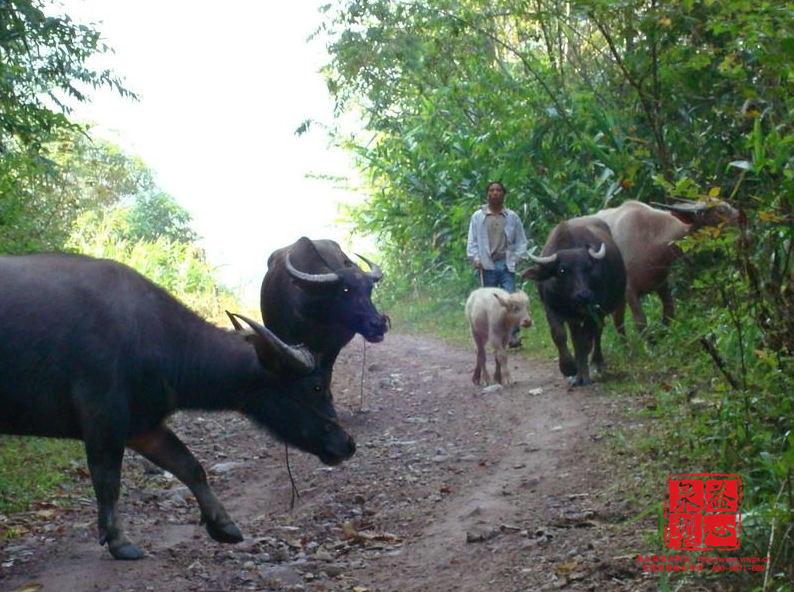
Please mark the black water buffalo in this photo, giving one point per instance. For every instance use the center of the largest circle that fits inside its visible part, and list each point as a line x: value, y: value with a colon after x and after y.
x: 314, y: 295
x: 581, y: 278
x: 90, y: 349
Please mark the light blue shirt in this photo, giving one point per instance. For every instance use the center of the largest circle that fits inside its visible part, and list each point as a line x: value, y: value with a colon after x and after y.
x: 478, y: 249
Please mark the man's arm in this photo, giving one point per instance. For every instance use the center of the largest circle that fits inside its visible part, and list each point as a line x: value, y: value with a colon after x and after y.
x: 472, y: 246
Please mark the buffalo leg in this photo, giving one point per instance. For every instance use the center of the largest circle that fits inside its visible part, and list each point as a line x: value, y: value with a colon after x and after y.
x: 619, y: 316
x: 163, y: 448
x: 666, y: 295
x: 480, y: 371
x: 502, y: 372
x: 598, y: 356
x: 582, y: 337
x: 633, y: 300
x: 104, y: 462
x: 560, y: 339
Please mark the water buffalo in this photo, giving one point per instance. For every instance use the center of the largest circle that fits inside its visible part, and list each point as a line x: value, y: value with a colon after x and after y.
x: 492, y: 313
x: 314, y: 295
x: 581, y: 278
x: 646, y: 238
x: 92, y: 350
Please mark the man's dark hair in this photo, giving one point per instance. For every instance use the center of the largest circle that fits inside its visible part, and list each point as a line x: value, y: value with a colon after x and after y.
x: 502, y: 187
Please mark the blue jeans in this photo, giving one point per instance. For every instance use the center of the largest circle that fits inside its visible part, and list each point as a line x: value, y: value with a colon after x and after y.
x: 499, y: 277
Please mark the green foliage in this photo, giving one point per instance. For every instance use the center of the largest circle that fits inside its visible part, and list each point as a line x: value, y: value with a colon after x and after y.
x: 33, y: 469
x: 157, y: 216
x: 43, y: 71
x: 151, y: 244
x: 43, y: 68
x: 81, y: 175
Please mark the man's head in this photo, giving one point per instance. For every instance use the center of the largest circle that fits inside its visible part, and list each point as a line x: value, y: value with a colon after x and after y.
x: 496, y: 196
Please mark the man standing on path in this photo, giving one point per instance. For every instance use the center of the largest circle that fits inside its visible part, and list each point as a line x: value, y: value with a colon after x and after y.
x: 496, y: 242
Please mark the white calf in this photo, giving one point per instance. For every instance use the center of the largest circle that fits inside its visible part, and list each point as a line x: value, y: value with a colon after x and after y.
x: 492, y: 314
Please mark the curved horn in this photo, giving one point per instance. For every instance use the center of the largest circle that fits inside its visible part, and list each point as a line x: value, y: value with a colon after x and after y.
x: 315, y: 278
x: 549, y: 259
x: 235, y: 322
x: 600, y: 254
x: 684, y: 207
x: 375, y: 272
x: 296, y: 357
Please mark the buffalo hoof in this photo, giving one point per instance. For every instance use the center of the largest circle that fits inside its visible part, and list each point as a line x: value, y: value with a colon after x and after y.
x: 126, y: 551
x: 579, y: 380
x: 224, y: 533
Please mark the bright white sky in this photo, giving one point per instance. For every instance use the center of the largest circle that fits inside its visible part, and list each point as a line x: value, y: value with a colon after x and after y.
x: 223, y: 87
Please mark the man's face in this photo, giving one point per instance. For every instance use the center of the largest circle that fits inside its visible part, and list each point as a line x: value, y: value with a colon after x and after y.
x: 496, y: 197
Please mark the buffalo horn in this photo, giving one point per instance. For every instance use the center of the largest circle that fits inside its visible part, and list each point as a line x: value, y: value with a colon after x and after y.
x: 237, y: 326
x: 296, y: 357
x: 685, y: 207
x: 548, y: 260
x: 600, y: 254
x: 315, y: 278
x: 375, y: 273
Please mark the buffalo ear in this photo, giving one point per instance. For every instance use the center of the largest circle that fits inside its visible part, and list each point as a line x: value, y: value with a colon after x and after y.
x: 274, y: 354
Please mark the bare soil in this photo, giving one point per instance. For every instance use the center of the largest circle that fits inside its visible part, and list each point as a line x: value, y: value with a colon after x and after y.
x: 451, y: 488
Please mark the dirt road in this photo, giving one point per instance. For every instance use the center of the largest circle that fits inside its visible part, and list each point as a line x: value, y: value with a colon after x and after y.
x: 451, y: 488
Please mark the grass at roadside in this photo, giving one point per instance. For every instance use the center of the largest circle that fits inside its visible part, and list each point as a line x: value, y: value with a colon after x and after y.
x: 34, y: 469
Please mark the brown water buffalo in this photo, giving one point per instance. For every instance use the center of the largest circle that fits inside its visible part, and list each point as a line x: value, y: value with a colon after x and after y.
x: 646, y: 238
x: 314, y: 295
x: 581, y: 278
x: 492, y: 313
x: 92, y: 350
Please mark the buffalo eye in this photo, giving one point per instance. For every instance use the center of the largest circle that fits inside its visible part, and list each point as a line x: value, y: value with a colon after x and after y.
x: 561, y: 271
x: 322, y: 392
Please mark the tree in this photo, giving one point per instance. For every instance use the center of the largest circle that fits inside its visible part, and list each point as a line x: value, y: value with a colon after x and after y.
x: 157, y: 215
x: 43, y: 69
x: 152, y: 234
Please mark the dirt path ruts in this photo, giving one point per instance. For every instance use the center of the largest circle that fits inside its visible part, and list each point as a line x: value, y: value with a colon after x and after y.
x: 450, y: 489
